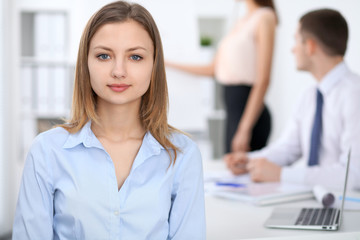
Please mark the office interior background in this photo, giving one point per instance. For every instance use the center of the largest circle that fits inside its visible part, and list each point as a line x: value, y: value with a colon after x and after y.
x: 38, y: 48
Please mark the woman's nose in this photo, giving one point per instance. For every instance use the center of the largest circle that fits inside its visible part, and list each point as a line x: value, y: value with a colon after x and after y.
x: 119, y: 69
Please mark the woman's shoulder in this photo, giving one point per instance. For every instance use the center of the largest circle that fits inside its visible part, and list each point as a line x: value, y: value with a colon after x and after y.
x: 186, y: 145
x: 54, y: 137
x: 266, y: 14
x: 182, y: 140
x: 189, y: 155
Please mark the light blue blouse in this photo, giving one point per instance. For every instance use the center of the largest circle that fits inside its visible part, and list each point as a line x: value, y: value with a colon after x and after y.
x: 69, y: 191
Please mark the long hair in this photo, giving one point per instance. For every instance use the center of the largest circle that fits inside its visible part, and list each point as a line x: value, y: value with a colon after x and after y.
x: 154, y: 103
x: 268, y: 3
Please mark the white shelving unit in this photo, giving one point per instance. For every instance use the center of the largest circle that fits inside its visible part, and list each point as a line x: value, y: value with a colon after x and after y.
x: 41, y: 72
x: 213, y: 29
x: 45, y: 74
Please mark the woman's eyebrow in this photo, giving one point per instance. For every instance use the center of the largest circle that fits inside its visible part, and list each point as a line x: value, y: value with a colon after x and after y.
x: 103, y: 47
x: 128, y: 50
x: 136, y: 48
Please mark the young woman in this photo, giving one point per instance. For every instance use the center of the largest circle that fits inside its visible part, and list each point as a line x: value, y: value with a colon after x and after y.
x: 242, y: 65
x: 116, y: 170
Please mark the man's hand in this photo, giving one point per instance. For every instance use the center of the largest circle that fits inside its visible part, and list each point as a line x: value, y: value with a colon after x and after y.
x: 262, y: 170
x: 236, y: 162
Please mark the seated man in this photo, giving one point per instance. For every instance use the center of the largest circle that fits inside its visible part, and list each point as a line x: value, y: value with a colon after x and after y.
x: 326, y: 120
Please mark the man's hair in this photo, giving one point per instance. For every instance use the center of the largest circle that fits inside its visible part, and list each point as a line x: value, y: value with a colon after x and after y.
x: 329, y: 28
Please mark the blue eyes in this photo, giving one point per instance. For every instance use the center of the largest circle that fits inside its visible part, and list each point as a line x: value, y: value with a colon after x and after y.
x: 103, y: 56
x: 107, y: 57
x: 136, y: 57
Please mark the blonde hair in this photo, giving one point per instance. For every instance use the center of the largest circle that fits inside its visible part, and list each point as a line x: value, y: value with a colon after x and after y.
x: 154, y: 103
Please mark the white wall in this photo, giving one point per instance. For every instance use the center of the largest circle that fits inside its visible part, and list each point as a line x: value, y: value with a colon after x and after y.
x: 190, y: 96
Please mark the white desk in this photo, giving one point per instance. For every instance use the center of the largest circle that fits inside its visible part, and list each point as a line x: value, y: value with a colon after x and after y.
x: 231, y: 220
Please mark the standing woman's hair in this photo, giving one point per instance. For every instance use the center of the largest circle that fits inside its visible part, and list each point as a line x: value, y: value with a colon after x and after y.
x: 154, y: 103
x: 268, y: 3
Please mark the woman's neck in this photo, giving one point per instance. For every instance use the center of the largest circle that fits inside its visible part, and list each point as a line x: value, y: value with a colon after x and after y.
x: 251, y: 6
x: 118, y: 123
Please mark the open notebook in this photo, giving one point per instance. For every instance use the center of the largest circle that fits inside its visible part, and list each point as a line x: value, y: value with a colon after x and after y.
x: 225, y: 185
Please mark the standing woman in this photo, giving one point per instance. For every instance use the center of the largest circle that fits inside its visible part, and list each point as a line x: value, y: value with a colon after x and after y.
x: 116, y: 170
x: 242, y: 65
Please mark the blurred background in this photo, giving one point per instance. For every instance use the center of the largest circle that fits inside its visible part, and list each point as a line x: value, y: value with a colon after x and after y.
x: 38, y: 48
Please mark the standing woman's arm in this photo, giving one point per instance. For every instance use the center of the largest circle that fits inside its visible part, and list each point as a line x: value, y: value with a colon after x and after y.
x: 202, y: 70
x: 265, y: 44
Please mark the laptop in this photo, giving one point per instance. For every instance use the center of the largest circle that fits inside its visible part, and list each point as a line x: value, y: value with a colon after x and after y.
x: 309, y: 218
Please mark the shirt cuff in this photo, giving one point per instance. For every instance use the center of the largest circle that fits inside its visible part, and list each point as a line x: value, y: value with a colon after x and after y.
x: 255, y: 154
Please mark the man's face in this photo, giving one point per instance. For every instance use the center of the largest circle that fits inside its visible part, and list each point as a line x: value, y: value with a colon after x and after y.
x: 300, y: 51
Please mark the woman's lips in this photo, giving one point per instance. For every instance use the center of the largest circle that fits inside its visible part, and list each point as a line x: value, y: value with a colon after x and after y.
x: 118, y: 87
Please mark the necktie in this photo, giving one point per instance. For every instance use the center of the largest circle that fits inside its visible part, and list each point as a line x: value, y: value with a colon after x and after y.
x: 316, y: 131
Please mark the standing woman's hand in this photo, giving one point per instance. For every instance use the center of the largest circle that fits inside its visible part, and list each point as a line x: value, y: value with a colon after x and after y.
x: 241, y: 141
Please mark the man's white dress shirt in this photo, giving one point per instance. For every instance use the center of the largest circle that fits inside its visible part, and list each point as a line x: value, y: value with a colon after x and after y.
x: 340, y: 131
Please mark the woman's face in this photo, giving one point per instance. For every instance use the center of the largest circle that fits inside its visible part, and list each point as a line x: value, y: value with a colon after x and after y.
x: 120, y: 63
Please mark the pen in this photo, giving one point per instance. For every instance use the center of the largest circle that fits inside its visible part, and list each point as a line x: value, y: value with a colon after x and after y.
x: 230, y: 184
x: 351, y: 199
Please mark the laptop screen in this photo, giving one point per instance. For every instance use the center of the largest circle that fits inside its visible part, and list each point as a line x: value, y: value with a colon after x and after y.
x: 345, y: 186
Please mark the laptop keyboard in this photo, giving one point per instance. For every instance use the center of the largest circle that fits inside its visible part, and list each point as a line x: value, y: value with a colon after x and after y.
x: 316, y: 216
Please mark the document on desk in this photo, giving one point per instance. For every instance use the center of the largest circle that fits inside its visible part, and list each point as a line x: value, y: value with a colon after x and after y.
x: 224, y: 184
